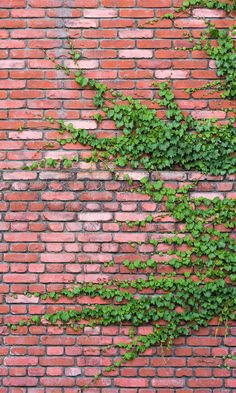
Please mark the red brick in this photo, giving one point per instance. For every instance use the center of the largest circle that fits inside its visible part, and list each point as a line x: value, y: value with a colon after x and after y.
x: 20, y: 278
x: 154, y: 3
x: 82, y: 23
x: 130, y: 382
x: 27, y: 13
x: 103, y: 13
x: 205, y: 382
x: 122, y: 3
x: 12, y: 64
x: 13, y: 3
x: 135, y: 53
x: 20, y: 237
x: 81, y: 3
x: 57, y: 237
x: 189, y: 23
x: 58, y: 196
x: 206, y: 13
x: 20, y: 381
x: 168, y: 383
x: 45, y: 3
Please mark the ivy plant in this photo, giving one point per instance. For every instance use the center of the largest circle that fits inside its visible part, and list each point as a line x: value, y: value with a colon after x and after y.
x: 198, y: 283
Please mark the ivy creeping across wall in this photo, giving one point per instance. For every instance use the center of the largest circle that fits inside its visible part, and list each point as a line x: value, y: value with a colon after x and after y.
x: 224, y: 55
x: 152, y: 142
x: 222, y: 51
x: 200, y: 266
x: 197, y: 286
x: 145, y: 139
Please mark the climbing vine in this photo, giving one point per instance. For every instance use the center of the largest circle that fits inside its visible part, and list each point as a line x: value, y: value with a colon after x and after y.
x: 224, y: 55
x: 211, y: 4
x: 156, y: 143
x: 198, y: 282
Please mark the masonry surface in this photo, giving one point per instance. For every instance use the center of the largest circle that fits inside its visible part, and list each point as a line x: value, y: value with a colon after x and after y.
x: 59, y: 227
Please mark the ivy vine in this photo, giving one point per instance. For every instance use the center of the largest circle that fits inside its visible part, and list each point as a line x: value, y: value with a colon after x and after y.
x: 227, y: 6
x: 200, y: 277
x: 199, y: 285
x: 154, y: 143
x: 224, y: 55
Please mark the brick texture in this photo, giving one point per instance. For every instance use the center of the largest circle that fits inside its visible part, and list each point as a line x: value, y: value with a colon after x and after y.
x: 60, y: 227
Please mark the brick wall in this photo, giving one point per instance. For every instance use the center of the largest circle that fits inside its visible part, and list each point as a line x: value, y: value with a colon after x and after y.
x: 60, y: 227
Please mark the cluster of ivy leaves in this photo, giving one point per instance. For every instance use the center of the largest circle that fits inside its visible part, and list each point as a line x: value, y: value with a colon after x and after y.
x: 224, y: 54
x: 227, y: 6
x: 150, y: 141
x: 157, y: 144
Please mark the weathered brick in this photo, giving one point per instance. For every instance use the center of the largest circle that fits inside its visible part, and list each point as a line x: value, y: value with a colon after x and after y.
x: 136, y: 53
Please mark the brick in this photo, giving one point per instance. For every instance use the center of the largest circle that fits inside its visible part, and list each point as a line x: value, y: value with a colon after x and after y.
x: 28, y: 13
x: 94, y: 216
x: 21, y: 216
x: 20, y: 381
x: 135, y: 53
x: 117, y: 23
x: 168, y: 383
x: 122, y: 3
x: 12, y: 44
x: 96, y: 196
x: 172, y: 74
x: 206, y: 13
x: 59, y: 216
x: 20, y: 278
x: 190, y: 64
x: 21, y: 196
x: 133, y: 33
x: 11, y: 24
x: 20, y: 237
x: 203, y: 382
x: 230, y: 383
x: 154, y: 3
x: 94, y: 237
x: 189, y: 23
x: 21, y: 258
x: 95, y: 175
x: 129, y: 382
x: 198, y: 341
x: 57, y: 258
x: 170, y: 54
x: 82, y: 23
x: 55, y: 237
x: 103, y: 13
x: 117, y: 44
x: 27, y: 361
x: 13, y: 3
x: 81, y: 3
x: 58, y: 196
x: 133, y: 237
x: 45, y: 3
x: 9, y: 64
x: 50, y: 381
